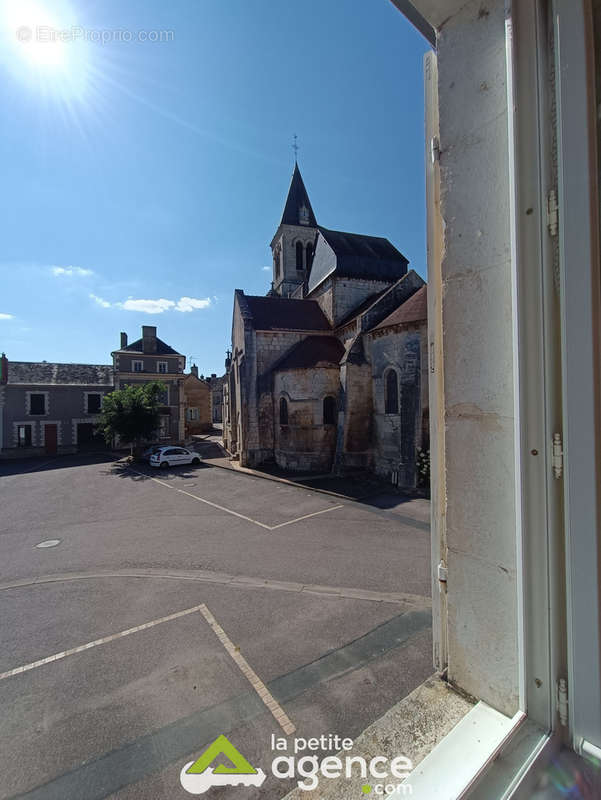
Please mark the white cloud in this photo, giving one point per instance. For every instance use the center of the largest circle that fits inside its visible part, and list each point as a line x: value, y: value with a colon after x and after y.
x: 192, y: 303
x: 6, y: 316
x: 155, y: 306
x: 147, y: 306
x: 99, y: 301
x: 266, y: 269
x: 78, y: 272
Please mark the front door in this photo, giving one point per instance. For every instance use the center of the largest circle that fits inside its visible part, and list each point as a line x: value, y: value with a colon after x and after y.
x: 50, y: 439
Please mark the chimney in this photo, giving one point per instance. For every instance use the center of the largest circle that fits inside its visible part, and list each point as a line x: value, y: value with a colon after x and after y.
x: 149, y: 339
x: 123, y: 340
x: 3, y: 369
x: 213, y: 374
x: 194, y: 370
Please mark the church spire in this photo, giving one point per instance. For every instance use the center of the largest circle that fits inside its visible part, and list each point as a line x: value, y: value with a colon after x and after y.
x: 297, y: 210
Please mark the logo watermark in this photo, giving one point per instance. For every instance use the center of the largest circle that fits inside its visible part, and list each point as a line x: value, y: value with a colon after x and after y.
x: 46, y: 34
x: 298, y: 759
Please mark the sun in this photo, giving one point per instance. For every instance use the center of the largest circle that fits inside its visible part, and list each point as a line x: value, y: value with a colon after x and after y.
x: 40, y: 46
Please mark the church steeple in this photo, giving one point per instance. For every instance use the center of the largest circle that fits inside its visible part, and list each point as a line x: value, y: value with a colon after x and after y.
x: 297, y: 210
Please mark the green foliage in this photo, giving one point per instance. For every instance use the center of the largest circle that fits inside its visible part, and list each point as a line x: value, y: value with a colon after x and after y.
x: 131, y: 413
x: 422, y: 464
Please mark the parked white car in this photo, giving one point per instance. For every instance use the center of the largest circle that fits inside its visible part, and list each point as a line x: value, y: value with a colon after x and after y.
x: 172, y: 456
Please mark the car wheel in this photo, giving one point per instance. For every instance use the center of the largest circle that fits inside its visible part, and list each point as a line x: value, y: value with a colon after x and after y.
x: 164, y: 464
x: 196, y: 461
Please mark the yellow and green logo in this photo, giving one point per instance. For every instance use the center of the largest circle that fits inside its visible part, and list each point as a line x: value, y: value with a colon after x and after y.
x: 198, y: 776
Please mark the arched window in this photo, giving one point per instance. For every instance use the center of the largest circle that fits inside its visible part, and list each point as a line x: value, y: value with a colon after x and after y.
x: 309, y: 255
x: 329, y: 410
x: 391, y: 393
x: 283, y: 411
x: 299, y: 255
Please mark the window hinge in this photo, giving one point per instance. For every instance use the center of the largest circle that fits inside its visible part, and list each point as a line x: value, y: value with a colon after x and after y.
x: 434, y: 149
x: 442, y: 572
x: 562, y: 701
x: 557, y: 456
x: 552, y: 212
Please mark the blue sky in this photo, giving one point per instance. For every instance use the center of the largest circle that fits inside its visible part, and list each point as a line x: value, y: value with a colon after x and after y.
x: 157, y: 171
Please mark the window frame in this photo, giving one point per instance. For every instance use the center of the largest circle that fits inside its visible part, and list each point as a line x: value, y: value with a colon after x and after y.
x: 26, y: 426
x: 87, y: 396
x: 29, y: 411
x: 162, y: 364
x: 135, y: 361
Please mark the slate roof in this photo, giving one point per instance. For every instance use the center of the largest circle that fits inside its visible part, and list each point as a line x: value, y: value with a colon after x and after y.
x: 312, y: 352
x: 163, y: 349
x: 359, y: 256
x: 284, y: 313
x: 48, y: 373
x: 297, y: 197
x: 415, y: 309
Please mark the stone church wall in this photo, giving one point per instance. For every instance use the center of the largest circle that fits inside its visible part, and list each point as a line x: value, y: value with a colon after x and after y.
x: 397, y: 436
x: 305, y: 443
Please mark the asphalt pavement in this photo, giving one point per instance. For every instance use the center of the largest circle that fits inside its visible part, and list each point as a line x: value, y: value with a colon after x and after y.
x: 325, y: 600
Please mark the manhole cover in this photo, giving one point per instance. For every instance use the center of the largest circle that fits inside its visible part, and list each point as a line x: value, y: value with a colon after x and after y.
x: 49, y: 543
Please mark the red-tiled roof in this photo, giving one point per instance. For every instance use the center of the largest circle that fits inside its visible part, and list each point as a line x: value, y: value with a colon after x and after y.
x: 312, y: 352
x: 415, y: 309
x: 284, y: 313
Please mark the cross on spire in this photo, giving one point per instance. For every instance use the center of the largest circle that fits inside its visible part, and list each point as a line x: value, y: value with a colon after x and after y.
x: 295, y: 147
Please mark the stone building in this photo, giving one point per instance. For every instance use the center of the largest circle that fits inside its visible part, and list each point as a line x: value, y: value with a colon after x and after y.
x: 49, y: 408
x: 216, y: 384
x: 329, y: 370
x: 197, y: 403
x: 150, y: 359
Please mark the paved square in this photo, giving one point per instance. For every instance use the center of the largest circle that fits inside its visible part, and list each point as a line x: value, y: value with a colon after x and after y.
x: 330, y: 615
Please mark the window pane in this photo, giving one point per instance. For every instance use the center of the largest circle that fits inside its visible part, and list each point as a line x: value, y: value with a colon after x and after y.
x: 94, y: 403
x: 283, y: 411
x: 37, y: 404
x: 392, y: 392
x: 329, y: 411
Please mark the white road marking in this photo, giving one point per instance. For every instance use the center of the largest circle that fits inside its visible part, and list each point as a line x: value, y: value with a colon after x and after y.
x: 227, y: 510
x: 96, y: 642
x: 236, y: 513
x: 278, y: 712
x: 306, y: 516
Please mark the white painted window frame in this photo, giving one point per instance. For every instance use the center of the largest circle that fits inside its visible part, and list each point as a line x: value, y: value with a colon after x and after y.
x: 135, y: 361
x: 508, y: 765
x: 164, y: 364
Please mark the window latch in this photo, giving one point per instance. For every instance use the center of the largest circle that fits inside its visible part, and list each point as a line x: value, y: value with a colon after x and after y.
x: 557, y: 457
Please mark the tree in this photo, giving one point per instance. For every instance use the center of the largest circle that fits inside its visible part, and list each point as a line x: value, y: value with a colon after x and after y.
x: 131, y: 413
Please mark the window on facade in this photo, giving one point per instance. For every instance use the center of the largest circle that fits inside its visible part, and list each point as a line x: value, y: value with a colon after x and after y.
x: 391, y: 392
x: 329, y: 411
x: 299, y: 255
x: 283, y: 411
x: 162, y: 367
x: 24, y: 436
x: 193, y: 414
x: 137, y: 366
x: 94, y: 403
x: 309, y: 255
x: 37, y: 404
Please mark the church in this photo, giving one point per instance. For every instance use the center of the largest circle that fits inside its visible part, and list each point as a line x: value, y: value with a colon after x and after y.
x: 328, y: 371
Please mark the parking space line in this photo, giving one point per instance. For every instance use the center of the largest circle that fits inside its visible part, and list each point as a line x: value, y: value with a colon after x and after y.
x: 96, y: 642
x: 267, y: 698
x: 237, y: 513
x: 227, y: 510
x: 306, y: 516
